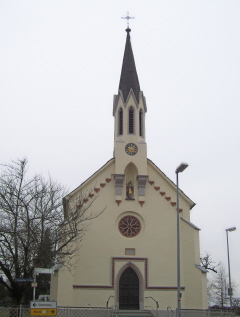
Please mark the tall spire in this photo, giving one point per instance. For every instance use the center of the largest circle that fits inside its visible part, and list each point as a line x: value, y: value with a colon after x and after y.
x: 129, y: 77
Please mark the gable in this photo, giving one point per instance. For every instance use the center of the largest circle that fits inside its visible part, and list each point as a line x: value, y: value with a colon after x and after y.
x: 93, y: 179
x: 88, y: 191
x: 167, y: 191
x: 165, y: 185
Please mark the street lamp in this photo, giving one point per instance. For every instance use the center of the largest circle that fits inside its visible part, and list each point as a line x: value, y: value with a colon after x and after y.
x: 229, y: 274
x: 179, y: 169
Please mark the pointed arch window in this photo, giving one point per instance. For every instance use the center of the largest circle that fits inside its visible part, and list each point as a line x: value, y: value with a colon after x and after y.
x: 131, y: 120
x: 141, y: 123
x: 120, y: 122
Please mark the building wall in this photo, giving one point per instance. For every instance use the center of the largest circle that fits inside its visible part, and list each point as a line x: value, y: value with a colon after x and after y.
x: 102, y: 254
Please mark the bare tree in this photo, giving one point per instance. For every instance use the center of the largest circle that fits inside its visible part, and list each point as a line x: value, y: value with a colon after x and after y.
x: 236, y: 302
x: 218, y: 287
x: 207, y: 262
x: 210, y: 287
x: 35, y: 231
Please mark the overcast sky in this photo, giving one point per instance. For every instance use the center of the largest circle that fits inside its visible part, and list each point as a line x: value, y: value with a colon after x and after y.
x: 60, y: 63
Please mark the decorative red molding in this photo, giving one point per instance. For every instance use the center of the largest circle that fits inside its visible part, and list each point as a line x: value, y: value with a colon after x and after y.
x: 151, y: 182
x: 91, y: 195
x: 112, y: 284
x: 118, y: 202
x: 162, y: 193
x: 93, y: 286
x: 165, y: 287
x: 173, y: 204
x: 108, y: 180
x: 180, y: 210
x: 96, y: 190
x: 102, y: 184
x: 141, y: 202
x: 157, y: 187
x: 85, y: 200
x: 168, y: 198
x: 78, y: 206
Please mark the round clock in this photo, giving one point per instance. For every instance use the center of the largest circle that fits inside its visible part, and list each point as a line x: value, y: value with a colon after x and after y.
x: 131, y: 149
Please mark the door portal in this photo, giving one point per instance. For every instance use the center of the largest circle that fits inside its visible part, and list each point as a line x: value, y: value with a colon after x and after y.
x: 129, y: 290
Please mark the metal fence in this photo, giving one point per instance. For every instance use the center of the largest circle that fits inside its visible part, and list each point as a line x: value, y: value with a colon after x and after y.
x: 85, y: 312
x: 22, y: 311
x: 193, y: 313
x: 207, y: 313
x: 19, y: 311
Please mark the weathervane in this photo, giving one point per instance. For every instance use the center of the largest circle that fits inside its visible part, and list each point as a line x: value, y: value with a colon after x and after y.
x: 128, y: 18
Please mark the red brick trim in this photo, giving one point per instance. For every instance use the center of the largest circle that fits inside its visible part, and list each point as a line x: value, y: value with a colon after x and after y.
x: 108, y: 180
x: 118, y: 202
x: 96, y: 189
x: 112, y: 285
x: 102, y: 184
x: 168, y: 198
x: 165, y: 287
x: 141, y: 203
x: 93, y: 286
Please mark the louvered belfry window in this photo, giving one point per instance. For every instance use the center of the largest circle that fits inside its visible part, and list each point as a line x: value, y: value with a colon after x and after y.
x: 120, y: 127
x: 131, y: 121
x: 141, y: 123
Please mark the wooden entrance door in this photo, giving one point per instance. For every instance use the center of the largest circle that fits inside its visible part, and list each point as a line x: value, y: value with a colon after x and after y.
x: 129, y: 290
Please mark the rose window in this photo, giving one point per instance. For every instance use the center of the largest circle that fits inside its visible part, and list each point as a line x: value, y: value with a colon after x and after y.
x: 129, y: 226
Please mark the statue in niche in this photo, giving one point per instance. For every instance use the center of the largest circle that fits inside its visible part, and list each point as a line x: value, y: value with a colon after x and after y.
x: 129, y: 190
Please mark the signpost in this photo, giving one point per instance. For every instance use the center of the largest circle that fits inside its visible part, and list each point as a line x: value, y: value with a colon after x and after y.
x: 43, y: 308
x: 34, y: 284
x: 31, y: 279
x: 36, y: 271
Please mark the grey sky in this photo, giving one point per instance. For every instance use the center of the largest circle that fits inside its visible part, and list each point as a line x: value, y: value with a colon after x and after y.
x: 60, y: 63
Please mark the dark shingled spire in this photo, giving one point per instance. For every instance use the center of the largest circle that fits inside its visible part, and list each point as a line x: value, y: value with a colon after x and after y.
x: 129, y: 77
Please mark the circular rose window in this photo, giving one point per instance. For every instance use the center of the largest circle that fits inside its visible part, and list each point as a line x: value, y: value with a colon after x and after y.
x: 129, y: 226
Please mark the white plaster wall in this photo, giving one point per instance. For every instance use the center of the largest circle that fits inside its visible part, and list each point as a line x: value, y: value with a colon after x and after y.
x: 156, y: 242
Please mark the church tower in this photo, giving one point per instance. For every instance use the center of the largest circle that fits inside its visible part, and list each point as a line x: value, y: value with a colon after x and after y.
x: 130, y: 148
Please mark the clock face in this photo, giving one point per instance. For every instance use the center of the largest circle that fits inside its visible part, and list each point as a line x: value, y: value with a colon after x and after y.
x: 131, y: 149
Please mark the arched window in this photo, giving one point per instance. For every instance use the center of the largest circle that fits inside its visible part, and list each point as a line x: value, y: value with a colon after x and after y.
x: 120, y: 122
x: 131, y: 120
x: 141, y: 123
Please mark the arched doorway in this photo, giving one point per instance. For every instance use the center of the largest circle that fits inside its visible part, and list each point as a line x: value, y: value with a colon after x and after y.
x: 129, y: 290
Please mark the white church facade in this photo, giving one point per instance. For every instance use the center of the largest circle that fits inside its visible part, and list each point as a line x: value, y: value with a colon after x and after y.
x: 129, y: 252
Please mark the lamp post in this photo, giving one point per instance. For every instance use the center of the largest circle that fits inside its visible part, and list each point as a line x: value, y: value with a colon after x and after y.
x: 229, y: 274
x: 179, y: 169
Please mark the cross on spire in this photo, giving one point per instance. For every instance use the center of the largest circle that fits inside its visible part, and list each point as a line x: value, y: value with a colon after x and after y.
x: 128, y: 18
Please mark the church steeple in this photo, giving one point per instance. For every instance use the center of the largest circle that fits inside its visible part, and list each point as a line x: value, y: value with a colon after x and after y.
x: 129, y: 77
x: 129, y: 109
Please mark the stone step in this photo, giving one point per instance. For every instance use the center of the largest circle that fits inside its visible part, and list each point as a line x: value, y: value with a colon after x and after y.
x: 134, y: 313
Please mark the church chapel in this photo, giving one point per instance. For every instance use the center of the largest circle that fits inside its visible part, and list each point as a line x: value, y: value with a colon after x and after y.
x: 128, y: 255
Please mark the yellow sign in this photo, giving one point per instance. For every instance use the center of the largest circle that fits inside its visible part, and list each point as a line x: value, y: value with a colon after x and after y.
x: 43, y: 311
